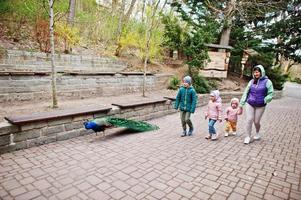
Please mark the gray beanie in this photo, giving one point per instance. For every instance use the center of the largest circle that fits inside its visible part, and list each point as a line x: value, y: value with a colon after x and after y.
x: 187, y: 79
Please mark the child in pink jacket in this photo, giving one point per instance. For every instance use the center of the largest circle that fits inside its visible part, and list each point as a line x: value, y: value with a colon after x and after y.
x: 214, y: 113
x: 231, y: 117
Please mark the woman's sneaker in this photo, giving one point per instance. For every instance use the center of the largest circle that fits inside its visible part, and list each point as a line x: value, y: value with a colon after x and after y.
x: 234, y: 133
x: 226, y: 134
x: 257, y: 136
x: 247, y: 140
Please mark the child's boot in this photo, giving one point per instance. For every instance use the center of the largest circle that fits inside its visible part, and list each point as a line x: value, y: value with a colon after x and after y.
x: 208, y: 137
x: 190, y: 131
x: 214, y: 137
x: 184, y: 133
x: 234, y: 133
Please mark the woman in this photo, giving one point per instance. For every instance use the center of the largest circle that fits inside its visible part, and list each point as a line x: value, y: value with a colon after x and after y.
x: 257, y: 94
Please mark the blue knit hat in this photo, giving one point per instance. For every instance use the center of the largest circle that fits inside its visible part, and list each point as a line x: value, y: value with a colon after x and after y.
x: 187, y: 79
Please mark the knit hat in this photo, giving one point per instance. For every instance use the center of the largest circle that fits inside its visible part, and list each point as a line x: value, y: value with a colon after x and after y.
x: 187, y: 79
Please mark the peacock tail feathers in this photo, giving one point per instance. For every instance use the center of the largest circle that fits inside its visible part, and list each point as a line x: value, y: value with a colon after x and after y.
x: 100, y: 124
x: 136, y: 125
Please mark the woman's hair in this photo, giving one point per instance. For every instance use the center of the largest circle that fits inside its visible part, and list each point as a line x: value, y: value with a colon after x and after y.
x: 256, y: 69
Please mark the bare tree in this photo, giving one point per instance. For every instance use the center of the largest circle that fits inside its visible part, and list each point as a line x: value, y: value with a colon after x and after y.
x: 71, y: 13
x: 143, y: 10
x: 53, y: 71
x: 114, y: 6
x: 150, y: 24
x: 130, y: 10
x: 119, y: 28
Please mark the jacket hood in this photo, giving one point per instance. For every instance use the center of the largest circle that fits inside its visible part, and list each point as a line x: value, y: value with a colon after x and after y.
x: 262, y: 71
x: 216, y: 94
x: 235, y: 100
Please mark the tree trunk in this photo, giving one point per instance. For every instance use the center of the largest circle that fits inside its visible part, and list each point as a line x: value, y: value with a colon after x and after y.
x: 53, y: 71
x: 148, y: 36
x: 119, y: 29
x: 71, y: 14
x: 143, y: 9
x: 225, y: 37
x: 228, y: 13
x: 114, y: 6
x: 130, y: 10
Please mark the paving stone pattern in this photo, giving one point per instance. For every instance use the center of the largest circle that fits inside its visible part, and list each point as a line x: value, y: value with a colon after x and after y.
x: 162, y: 165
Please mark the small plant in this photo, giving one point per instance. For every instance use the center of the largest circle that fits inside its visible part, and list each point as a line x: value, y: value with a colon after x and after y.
x: 3, y: 52
x: 174, y: 83
x: 42, y: 35
x: 68, y: 34
x: 212, y: 84
x: 297, y: 80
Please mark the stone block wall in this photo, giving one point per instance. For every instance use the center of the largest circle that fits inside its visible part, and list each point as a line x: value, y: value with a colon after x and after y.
x: 17, y: 60
x: 38, y: 133
x: 18, y: 87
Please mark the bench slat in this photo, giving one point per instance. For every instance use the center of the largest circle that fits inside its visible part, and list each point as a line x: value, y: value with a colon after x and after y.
x: 19, y: 120
x: 138, y: 103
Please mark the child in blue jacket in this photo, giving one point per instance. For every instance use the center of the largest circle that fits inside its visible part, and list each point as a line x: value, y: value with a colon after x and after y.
x: 186, y: 100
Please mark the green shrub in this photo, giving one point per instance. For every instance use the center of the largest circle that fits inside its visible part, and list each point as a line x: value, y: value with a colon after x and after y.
x: 200, y: 84
x: 212, y: 84
x: 297, y: 80
x: 277, y: 77
x: 174, y: 83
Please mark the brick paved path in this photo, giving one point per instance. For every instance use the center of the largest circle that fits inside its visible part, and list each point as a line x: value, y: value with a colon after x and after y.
x: 162, y: 165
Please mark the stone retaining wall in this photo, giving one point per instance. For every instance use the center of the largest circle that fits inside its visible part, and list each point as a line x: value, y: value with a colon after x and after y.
x: 18, y: 87
x: 17, y: 60
x: 38, y: 133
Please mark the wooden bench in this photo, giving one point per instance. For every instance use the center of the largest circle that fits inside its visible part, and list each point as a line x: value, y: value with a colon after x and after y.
x: 136, y: 103
x: 170, y: 98
x: 43, y: 116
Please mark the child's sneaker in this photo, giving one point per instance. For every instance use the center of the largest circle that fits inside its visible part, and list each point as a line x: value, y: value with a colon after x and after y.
x: 190, y: 131
x: 208, y: 137
x: 257, y: 136
x: 247, y: 140
x: 214, y: 137
x: 226, y: 134
x: 234, y: 133
x: 183, y: 134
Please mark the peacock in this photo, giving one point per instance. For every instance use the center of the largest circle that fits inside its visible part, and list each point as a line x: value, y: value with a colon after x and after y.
x: 100, y: 124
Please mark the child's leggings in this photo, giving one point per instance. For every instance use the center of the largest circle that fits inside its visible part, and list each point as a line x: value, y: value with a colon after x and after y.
x: 230, y: 126
x: 254, y: 114
x: 211, y: 126
x: 185, y: 119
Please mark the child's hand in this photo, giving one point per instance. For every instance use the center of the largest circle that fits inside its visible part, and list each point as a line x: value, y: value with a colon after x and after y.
x: 226, y: 119
x: 220, y: 120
